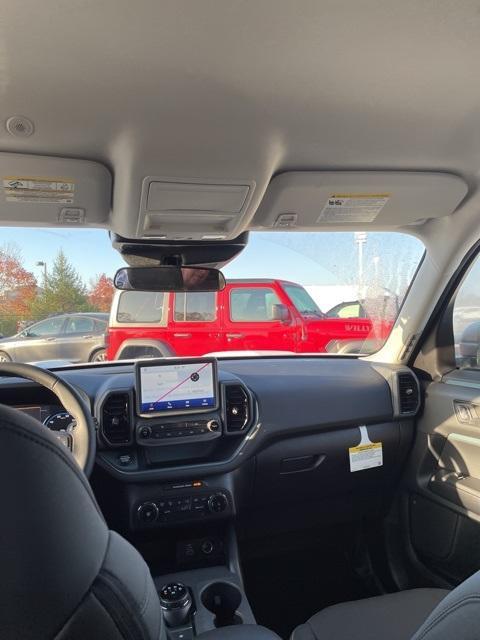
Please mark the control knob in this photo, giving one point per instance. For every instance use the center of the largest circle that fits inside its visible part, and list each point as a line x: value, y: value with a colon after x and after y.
x: 217, y: 503
x: 213, y: 425
x: 145, y: 431
x: 148, y: 512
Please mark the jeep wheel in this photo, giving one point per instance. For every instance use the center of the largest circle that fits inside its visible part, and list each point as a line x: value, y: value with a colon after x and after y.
x: 4, y: 357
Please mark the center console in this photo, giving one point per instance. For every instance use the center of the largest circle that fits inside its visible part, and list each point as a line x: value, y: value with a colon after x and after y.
x: 209, y: 601
x: 195, y: 602
x: 177, y: 411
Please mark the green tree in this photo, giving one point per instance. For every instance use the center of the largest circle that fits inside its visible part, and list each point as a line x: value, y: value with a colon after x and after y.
x: 63, y: 290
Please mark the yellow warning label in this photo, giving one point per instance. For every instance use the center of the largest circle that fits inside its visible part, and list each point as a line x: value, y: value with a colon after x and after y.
x: 366, y: 456
x: 353, y: 207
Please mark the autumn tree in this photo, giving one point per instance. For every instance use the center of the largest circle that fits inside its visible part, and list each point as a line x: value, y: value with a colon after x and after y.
x: 101, y: 293
x: 63, y: 290
x: 18, y: 288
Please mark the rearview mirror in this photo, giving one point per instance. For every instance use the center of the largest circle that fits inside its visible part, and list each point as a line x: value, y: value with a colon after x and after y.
x: 181, y: 279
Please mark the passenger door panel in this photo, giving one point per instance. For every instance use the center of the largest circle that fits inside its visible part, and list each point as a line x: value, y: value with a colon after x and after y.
x: 443, y: 478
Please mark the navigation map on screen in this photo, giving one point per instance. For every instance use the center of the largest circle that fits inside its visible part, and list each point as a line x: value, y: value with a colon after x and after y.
x: 177, y: 387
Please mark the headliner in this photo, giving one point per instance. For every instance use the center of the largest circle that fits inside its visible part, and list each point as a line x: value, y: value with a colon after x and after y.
x: 243, y: 90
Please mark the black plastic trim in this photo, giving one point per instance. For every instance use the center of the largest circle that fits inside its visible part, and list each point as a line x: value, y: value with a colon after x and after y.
x: 444, y: 300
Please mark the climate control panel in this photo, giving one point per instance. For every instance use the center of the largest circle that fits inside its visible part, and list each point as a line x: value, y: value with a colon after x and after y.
x: 198, y: 505
x: 158, y: 433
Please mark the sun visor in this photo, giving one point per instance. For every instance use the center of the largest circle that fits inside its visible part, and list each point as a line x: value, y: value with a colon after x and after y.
x: 41, y: 190
x: 340, y: 200
x: 184, y: 210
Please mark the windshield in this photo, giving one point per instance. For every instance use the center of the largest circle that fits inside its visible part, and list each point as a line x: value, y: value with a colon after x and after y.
x: 302, y: 301
x: 287, y: 292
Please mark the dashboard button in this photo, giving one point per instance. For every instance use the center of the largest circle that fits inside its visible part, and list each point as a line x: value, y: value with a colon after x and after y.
x: 207, y: 547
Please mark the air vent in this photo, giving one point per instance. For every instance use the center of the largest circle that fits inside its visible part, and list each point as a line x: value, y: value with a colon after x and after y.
x: 116, y: 427
x: 408, y: 393
x: 237, y: 408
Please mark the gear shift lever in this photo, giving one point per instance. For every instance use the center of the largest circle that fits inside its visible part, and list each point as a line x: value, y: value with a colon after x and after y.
x: 176, y: 604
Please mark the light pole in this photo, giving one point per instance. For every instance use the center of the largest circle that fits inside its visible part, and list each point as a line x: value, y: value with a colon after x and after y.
x: 360, y: 240
x: 40, y: 263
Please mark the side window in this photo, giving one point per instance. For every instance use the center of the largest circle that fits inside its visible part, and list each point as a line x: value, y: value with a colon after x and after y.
x: 347, y: 310
x: 466, y: 319
x: 252, y: 305
x: 78, y: 324
x: 195, y: 307
x: 140, y: 307
x: 100, y: 326
x: 50, y: 327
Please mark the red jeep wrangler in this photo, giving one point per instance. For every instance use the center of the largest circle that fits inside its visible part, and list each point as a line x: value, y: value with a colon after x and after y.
x: 258, y: 315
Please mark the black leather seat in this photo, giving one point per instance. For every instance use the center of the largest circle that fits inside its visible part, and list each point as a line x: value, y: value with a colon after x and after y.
x: 418, y: 614
x: 64, y: 575
x: 395, y: 616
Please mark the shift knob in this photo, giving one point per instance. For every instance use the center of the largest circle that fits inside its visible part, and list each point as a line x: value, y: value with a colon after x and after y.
x: 176, y: 604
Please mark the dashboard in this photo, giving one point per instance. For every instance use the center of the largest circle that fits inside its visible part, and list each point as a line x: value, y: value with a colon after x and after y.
x: 54, y: 417
x: 192, y: 440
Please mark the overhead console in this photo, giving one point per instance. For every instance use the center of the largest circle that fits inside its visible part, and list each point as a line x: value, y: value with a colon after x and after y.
x: 196, y: 209
x: 155, y: 252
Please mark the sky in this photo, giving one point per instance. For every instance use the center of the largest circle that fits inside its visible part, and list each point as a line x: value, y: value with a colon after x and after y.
x: 307, y: 258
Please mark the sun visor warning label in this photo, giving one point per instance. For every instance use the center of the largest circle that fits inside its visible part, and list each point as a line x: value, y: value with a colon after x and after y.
x: 366, y: 455
x: 353, y: 207
x: 46, y: 190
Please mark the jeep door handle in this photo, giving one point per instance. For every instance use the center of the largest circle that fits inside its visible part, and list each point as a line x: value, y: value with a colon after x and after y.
x: 50, y: 339
x: 182, y: 335
x: 89, y: 336
x: 233, y: 336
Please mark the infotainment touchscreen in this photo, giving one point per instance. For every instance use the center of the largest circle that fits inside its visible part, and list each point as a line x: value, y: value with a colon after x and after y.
x: 176, y: 387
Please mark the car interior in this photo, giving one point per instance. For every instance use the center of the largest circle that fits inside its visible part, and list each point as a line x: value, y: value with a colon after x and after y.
x: 308, y: 496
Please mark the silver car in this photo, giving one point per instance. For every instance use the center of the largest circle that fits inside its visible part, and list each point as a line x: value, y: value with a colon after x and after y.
x: 73, y: 337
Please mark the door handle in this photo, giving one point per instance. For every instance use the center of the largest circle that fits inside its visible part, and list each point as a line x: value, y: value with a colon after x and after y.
x: 182, y: 335
x: 89, y: 336
x: 50, y: 339
x: 233, y: 336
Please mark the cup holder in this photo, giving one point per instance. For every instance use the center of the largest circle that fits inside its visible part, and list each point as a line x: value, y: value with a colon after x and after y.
x: 223, y: 599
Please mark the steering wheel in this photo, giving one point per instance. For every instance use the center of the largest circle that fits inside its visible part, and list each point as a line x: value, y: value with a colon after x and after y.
x: 84, y: 435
